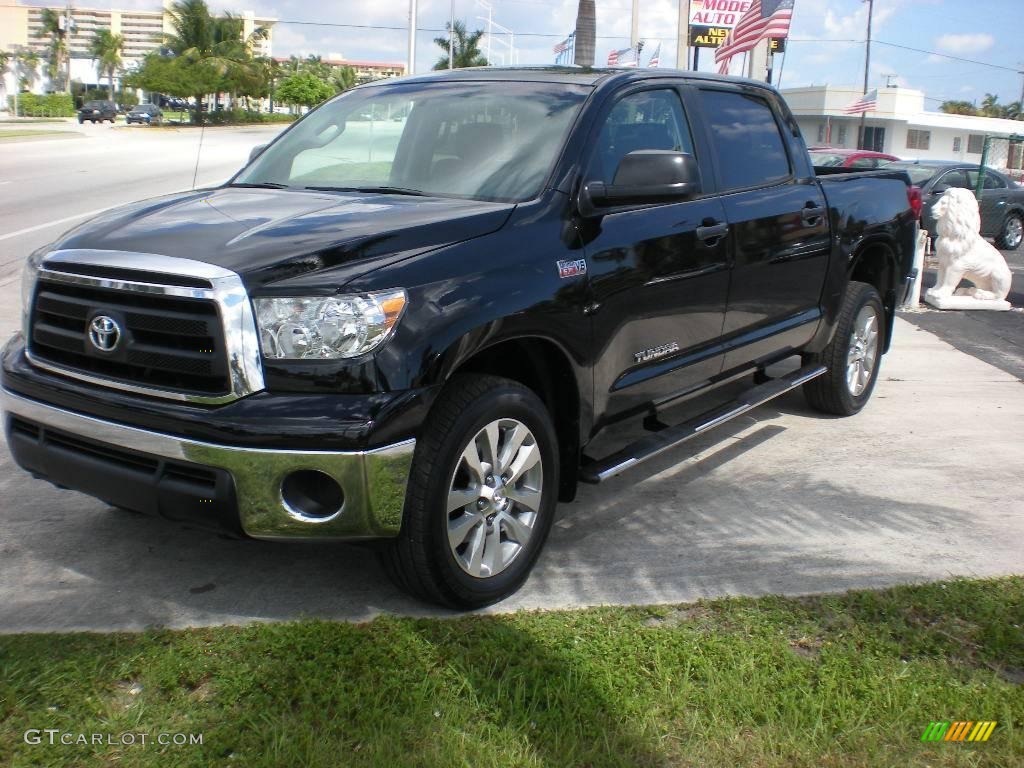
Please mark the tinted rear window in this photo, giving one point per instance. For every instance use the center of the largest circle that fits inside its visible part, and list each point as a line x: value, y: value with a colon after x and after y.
x: 748, y: 146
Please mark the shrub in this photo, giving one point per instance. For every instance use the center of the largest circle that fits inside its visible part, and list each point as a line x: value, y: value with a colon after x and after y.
x: 47, y: 105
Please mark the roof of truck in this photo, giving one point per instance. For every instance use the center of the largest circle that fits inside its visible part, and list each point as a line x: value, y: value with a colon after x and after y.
x: 558, y: 74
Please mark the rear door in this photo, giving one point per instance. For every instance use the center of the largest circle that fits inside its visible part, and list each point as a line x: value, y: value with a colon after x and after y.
x: 778, y: 226
x: 995, y: 195
x: 658, y: 273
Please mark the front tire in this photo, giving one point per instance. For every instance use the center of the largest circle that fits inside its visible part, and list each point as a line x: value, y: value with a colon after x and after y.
x: 481, y: 495
x: 853, y: 357
x: 1012, y: 233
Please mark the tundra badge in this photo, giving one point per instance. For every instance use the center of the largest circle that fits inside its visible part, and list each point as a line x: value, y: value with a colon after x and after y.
x: 645, y: 355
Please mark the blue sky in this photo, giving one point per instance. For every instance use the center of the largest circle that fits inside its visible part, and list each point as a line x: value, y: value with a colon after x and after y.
x: 983, y: 30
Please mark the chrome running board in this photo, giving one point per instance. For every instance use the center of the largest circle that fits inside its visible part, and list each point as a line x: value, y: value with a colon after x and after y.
x: 670, y: 437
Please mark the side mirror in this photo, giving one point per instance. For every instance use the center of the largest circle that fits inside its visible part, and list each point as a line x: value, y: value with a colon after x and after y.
x: 644, y: 176
x: 938, y: 189
x: 256, y: 151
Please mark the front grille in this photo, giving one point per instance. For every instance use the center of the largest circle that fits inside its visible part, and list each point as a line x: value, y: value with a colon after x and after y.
x: 168, y: 342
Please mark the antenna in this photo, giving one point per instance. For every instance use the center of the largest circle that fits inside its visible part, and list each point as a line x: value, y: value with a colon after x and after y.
x: 199, y: 149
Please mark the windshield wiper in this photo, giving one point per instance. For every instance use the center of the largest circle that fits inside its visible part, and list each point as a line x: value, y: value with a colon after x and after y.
x: 372, y: 190
x: 261, y: 185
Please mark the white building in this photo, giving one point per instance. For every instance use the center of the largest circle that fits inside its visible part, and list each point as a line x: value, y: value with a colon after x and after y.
x: 899, y: 126
x: 143, y: 31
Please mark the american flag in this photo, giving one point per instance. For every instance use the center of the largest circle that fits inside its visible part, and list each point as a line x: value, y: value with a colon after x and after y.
x: 866, y: 103
x: 625, y: 57
x: 565, y: 50
x: 765, y: 18
x: 655, y: 57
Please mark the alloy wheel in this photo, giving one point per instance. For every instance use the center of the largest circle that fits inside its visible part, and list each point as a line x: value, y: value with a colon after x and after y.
x: 863, y: 351
x: 494, y: 497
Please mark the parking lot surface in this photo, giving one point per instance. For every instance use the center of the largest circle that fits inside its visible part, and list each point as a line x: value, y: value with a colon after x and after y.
x: 924, y: 484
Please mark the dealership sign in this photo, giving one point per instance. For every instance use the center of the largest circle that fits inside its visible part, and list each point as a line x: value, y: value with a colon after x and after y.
x: 712, y: 20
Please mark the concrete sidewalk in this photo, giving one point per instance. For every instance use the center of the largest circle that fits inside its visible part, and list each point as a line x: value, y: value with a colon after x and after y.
x: 924, y: 484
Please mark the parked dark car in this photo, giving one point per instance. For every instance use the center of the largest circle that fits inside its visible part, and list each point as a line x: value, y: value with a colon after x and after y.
x: 862, y: 159
x: 97, y: 111
x: 149, y: 114
x: 1001, y: 203
x: 421, y: 348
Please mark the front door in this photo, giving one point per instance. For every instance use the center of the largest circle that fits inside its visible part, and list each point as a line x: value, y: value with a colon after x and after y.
x: 778, y: 228
x: 659, y: 273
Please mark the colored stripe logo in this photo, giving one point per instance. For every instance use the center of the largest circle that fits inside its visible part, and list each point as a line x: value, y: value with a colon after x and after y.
x: 960, y: 730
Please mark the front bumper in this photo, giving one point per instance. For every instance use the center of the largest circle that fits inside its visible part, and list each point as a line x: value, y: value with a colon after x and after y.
x: 218, y: 486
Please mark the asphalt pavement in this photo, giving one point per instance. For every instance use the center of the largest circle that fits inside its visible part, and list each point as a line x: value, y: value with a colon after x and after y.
x: 923, y: 484
x: 995, y: 337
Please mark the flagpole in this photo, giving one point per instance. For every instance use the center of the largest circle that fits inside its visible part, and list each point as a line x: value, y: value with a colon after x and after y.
x: 634, y: 32
x: 867, y: 68
x: 683, y: 36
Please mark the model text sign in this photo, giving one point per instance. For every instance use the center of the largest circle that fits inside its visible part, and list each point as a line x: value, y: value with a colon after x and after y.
x: 717, y: 13
x: 711, y: 20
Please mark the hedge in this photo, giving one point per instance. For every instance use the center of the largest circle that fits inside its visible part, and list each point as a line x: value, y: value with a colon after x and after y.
x: 47, y: 105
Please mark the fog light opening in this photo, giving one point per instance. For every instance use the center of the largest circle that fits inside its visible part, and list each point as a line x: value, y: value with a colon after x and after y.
x: 311, y: 495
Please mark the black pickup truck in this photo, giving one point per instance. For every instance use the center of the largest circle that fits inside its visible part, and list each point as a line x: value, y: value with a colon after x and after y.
x: 407, y: 319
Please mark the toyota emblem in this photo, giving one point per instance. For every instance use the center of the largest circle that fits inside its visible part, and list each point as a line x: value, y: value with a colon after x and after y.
x: 104, y: 333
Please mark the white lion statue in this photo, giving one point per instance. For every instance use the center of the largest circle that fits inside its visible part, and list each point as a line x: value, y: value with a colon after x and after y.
x: 963, y: 253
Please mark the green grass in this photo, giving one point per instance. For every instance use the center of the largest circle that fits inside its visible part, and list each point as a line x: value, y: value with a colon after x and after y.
x: 845, y: 680
x: 20, y: 133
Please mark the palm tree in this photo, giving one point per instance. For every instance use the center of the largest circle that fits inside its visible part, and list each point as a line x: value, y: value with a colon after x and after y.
x: 958, y: 108
x: 586, y: 29
x: 51, y: 26
x: 5, y: 60
x: 106, y: 48
x: 990, y: 106
x: 28, y: 68
x: 343, y: 78
x: 214, y: 45
x: 467, y: 47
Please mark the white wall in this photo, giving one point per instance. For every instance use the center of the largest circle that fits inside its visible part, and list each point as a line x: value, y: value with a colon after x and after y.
x: 940, y: 142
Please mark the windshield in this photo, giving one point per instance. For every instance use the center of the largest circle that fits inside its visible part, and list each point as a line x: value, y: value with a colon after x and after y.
x: 480, y: 140
x: 825, y: 160
x: 919, y: 174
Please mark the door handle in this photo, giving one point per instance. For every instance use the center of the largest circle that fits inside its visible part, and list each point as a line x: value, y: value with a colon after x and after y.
x: 712, y: 231
x: 811, y: 214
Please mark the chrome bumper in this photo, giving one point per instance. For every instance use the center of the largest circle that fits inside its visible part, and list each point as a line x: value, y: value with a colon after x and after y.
x: 373, y: 482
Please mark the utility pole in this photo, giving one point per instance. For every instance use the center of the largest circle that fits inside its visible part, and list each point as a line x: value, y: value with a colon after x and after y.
x: 451, y: 38
x: 1021, y: 89
x: 67, y: 49
x: 683, y: 36
x: 411, y: 68
x: 867, y: 68
x: 634, y: 32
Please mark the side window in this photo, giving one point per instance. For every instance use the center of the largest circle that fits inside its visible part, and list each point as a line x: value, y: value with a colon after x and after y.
x: 748, y: 146
x: 644, y: 120
x: 864, y: 162
x: 991, y: 181
x: 954, y: 179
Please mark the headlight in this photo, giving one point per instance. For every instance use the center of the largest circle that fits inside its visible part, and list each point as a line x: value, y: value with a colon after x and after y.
x: 29, y: 275
x: 319, y: 328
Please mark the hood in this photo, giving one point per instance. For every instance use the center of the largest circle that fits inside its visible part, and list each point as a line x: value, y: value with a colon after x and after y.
x: 269, y: 235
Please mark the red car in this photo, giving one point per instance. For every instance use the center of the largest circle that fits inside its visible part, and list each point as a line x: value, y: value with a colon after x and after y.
x: 829, y: 157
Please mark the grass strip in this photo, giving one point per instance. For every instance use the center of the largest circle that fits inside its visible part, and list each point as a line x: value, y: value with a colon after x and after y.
x: 834, y: 680
x: 19, y: 133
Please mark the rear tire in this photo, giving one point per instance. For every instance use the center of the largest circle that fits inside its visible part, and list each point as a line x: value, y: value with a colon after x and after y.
x: 474, y: 525
x: 1012, y: 233
x: 853, y: 357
